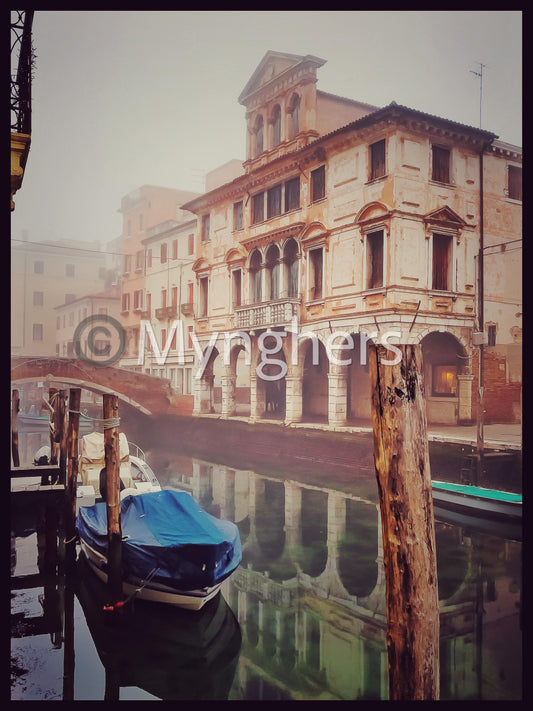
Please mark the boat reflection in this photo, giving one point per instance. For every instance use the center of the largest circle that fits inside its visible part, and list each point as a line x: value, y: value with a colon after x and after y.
x: 170, y: 653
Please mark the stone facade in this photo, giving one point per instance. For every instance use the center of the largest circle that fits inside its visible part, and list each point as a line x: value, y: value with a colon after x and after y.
x: 351, y: 223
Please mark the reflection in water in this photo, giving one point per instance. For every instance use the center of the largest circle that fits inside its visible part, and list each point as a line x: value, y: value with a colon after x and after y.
x: 309, y: 598
x: 166, y: 651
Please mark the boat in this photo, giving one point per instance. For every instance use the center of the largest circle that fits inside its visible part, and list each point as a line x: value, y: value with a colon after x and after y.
x: 476, y: 500
x: 173, y: 551
x: 135, y: 472
x: 168, y: 652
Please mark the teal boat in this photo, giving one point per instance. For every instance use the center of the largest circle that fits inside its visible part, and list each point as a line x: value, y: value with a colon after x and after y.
x: 476, y: 500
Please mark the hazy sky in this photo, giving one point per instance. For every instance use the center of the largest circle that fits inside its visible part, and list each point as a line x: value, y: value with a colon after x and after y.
x: 127, y: 98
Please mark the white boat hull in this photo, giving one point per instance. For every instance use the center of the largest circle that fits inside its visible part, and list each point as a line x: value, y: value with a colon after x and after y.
x: 153, y: 592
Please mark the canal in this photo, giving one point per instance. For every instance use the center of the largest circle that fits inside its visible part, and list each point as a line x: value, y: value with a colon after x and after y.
x: 303, y: 617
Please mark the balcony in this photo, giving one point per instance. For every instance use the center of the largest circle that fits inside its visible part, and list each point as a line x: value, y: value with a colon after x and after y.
x: 264, y: 315
x: 166, y: 312
x: 187, y: 309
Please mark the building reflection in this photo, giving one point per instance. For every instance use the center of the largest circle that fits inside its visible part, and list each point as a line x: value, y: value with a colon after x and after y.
x: 310, y: 592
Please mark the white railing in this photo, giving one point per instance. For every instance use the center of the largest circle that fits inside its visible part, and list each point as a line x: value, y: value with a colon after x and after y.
x: 270, y: 313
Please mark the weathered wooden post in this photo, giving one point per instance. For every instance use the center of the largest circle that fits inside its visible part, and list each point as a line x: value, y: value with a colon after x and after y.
x: 112, y: 465
x: 63, y: 414
x: 53, y: 400
x: 15, y: 404
x: 74, y: 401
x: 401, y: 459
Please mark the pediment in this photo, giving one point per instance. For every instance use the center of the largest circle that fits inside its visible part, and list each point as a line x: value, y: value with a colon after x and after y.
x: 444, y: 217
x: 371, y: 212
x: 200, y: 265
x: 234, y: 256
x: 271, y: 66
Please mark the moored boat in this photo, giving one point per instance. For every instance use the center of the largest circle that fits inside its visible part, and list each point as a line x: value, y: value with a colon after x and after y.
x: 173, y: 551
x: 477, y: 500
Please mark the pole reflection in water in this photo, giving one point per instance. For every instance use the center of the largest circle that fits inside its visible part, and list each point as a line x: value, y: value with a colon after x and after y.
x: 303, y: 617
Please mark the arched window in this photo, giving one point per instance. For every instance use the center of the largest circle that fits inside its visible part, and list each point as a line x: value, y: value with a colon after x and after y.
x: 290, y: 259
x: 255, y: 277
x: 272, y: 274
x: 276, y: 126
x: 259, y: 135
x: 294, y: 116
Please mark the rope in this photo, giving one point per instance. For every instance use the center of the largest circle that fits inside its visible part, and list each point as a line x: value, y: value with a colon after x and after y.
x: 111, y: 422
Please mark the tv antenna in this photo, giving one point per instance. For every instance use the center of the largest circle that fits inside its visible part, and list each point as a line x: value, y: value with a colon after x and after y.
x: 480, y: 75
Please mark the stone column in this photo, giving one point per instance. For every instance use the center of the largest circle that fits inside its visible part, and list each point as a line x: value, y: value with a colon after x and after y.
x: 337, y: 398
x: 228, y: 395
x: 464, y: 391
x: 203, y: 395
x: 293, y: 398
x: 255, y: 409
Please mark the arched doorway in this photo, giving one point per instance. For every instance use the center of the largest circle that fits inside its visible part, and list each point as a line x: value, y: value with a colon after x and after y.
x: 315, y: 382
x: 445, y: 361
x: 271, y: 374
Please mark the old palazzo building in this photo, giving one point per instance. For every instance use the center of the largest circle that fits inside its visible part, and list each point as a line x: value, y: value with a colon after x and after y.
x: 351, y: 222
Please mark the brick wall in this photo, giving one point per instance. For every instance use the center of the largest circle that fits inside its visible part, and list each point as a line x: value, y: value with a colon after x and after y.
x: 502, y: 398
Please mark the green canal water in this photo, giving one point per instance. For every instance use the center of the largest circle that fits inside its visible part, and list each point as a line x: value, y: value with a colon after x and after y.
x: 303, y: 617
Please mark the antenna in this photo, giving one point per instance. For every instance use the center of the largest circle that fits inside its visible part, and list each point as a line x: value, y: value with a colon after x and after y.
x: 480, y: 75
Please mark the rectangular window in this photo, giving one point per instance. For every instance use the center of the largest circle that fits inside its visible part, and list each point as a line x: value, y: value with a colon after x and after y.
x: 274, y: 201
x: 127, y: 263
x: 440, y: 171
x: 238, y: 223
x: 442, y: 247
x: 375, y: 260
x: 377, y: 159
x: 236, y: 278
x: 204, y: 294
x: 205, y: 228
x: 138, y: 300
x: 125, y: 302
x: 38, y: 267
x: 318, y: 183
x: 190, y: 330
x: 258, y: 208
x: 174, y: 249
x: 444, y: 380
x: 69, y: 270
x: 149, y: 258
x: 491, y: 335
x: 515, y: 182
x: 139, y: 260
x: 315, y: 259
x: 292, y: 194
x: 174, y: 296
x: 191, y: 293
x: 149, y: 304
x: 37, y: 331
x: 38, y: 298
x: 163, y: 253
x: 163, y: 298
x: 191, y: 244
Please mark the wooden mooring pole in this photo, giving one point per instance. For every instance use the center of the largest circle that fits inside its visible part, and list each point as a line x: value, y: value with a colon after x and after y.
x: 53, y: 400
x: 15, y: 405
x: 401, y: 457
x: 74, y: 401
x: 112, y: 465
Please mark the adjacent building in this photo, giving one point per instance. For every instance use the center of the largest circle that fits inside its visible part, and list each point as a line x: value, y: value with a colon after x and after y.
x: 45, y: 275
x: 352, y: 223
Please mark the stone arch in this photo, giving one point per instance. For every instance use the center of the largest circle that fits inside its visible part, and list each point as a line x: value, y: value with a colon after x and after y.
x: 293, y: 116
x: 271, y: 376
x: 255, y: 266
x: 290, y: 250
x: 258, y: 135
x: 314, y: 372
x: 275, y: 123
x: 446, y: 363
x: 272, y: 271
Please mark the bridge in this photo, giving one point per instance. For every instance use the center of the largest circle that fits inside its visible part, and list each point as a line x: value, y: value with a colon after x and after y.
x: 147, y: 393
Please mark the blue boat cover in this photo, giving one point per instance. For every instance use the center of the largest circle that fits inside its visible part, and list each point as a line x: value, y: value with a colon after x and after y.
x: 167, y: 530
